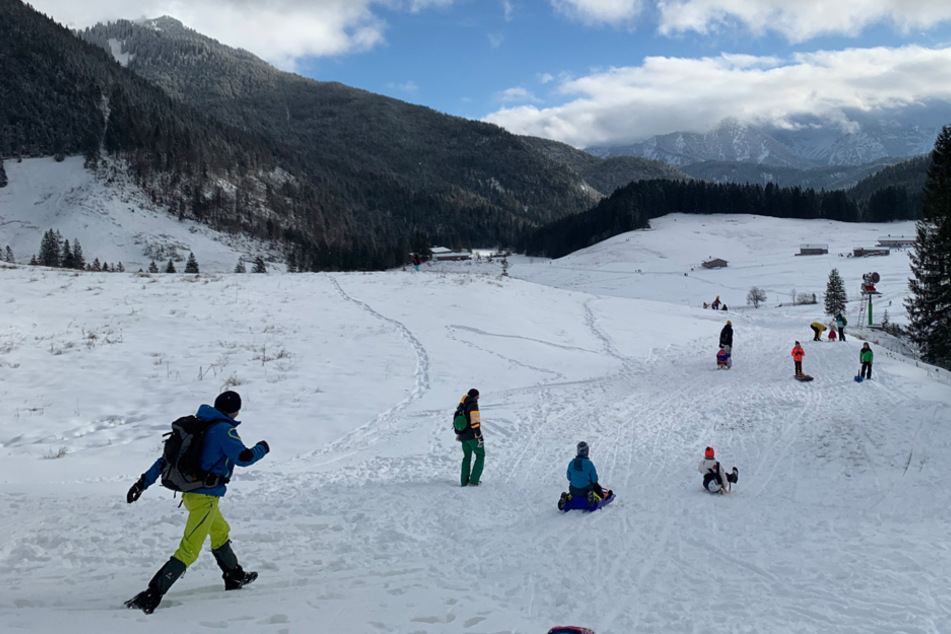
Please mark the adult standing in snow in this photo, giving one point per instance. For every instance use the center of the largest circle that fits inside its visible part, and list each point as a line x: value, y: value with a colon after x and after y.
x: 221, y: 451
x: 714, y: 480
x: 716, y: 303
x: 583, y: 477
x: 726, y: 338
x: 471, y: 438
x: 817, y: 330
x: 797, y: 354
x: 865, y: 357
x: 840, y: 323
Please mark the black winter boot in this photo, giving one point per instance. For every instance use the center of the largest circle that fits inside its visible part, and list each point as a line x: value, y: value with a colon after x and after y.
x: 149, y: 599
x: 235, y: 577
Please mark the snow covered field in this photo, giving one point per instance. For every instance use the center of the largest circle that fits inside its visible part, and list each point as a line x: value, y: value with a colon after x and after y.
x: 355, y: 520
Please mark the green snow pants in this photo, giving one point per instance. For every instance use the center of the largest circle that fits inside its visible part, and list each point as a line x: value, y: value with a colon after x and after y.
x: 470, y: 447
x: 204, y: 519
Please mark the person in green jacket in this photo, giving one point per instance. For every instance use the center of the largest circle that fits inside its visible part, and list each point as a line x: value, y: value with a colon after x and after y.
x: 865, y: 356
x: 471, y: 439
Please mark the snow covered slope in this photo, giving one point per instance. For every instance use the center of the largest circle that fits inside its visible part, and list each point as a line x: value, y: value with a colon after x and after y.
x: 109, y: 215
x: 355, y: 520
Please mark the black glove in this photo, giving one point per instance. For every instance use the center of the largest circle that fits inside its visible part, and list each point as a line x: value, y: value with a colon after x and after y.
x: 136, y: 490
x: 263, y: 443
x: 481, y: 442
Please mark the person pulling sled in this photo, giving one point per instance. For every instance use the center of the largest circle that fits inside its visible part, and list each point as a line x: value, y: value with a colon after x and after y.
x: 584, y: 491
x: 714, y: 480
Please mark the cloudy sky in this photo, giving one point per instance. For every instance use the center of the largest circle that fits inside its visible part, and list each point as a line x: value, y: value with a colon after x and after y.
x: 589, y: 72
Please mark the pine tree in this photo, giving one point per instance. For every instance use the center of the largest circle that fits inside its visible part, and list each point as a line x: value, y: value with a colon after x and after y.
x: 929, y: 305
x: 3, y: 176
x: 49, y: 249
x: 120, y: 268
x: 835, y: 294
x: 152, y: 267
x: 170, y: 268
x: 259, y: 266
x: 68, y: 261
x: 96, y: 266
x: 8, y: 255
x: 78, y: 258
x: 191, y: 266
x: 239, y: 267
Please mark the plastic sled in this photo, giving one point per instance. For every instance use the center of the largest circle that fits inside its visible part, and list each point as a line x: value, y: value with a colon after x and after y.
x: 582, y: 503
x: 858, y: 379
x: 804, y: 378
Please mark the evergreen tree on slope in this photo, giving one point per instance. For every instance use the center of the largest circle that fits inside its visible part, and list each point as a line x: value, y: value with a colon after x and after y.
x: 49, y: 249
x: 191, y: 266
x: 929, y: 305
x: 835, y: 294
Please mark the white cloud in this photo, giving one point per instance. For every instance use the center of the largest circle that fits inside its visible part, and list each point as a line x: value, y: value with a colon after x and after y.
x: 508, y: 10
x: 599, y: 11
x: 515, y: 94
x: 667, y: 94
x: 800, y: 20
x: 410, y: 87
x: 496, y: 40
x: 279, y: 31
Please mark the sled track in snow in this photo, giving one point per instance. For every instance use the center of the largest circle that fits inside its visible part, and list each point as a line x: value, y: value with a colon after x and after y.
x: 420, y: 377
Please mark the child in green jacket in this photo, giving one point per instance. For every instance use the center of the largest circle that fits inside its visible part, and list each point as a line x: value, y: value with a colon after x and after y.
x: 865, y: 356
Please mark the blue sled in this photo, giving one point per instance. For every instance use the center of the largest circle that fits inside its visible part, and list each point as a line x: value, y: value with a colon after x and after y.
x: 582, y: 503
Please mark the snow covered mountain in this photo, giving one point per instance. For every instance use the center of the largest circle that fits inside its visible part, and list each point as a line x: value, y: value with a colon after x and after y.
x: 112, y: 218
x: 808, y: 146
x: 356, y: 521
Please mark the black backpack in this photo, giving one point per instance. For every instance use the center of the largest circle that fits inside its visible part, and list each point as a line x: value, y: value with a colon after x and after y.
x: 181, y: 470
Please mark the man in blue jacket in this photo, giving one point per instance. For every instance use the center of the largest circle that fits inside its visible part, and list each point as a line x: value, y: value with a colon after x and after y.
x: 221, y: 451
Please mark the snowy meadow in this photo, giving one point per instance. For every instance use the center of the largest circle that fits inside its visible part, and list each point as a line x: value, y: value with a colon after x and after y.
x: 355, y: 520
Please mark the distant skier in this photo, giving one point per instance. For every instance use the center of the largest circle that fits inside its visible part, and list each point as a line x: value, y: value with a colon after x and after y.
x: 726, y: 338
x: 583, y: 477
x: 817, y: 330
x: 416, y: 261
x: 840, y: 323
x: 865, y: 356
x: 714, y: 480
x: 797, y: 354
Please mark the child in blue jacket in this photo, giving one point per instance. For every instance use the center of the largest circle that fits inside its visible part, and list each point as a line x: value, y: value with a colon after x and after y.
x: 583, y: 477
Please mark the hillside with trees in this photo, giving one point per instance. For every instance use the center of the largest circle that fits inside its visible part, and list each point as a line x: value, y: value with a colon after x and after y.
x: 632, y: 207
x: 404, y: 169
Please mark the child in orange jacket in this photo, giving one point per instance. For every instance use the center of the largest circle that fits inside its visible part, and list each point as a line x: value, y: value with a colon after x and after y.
x: 797, y: 354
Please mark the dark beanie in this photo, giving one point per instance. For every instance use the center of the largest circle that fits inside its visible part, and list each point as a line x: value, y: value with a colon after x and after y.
x: 582, y: 449
x: 228, y: 402
x: 473, y: 392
